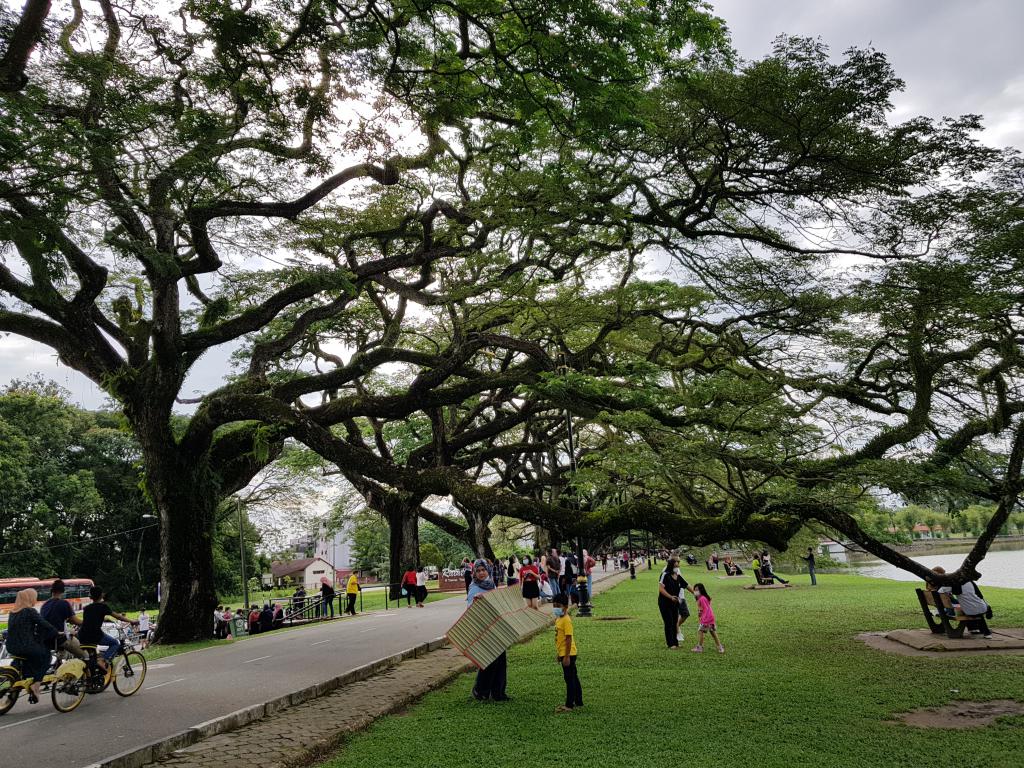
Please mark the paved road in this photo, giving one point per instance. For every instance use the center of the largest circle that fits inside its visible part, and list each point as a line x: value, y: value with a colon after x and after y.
x: 186, y: 690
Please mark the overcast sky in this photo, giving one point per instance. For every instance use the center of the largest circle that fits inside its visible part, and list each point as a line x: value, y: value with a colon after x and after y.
x: 956, y: 56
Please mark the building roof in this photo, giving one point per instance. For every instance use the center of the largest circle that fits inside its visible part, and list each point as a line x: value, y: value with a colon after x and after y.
x: 280, y: 570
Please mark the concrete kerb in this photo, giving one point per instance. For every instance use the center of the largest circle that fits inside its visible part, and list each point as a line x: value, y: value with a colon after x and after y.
x: 139, y: 756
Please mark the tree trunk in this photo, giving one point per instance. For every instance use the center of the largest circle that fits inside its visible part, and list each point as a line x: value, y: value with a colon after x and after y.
x: 403, y: 521
x: 184, y: 494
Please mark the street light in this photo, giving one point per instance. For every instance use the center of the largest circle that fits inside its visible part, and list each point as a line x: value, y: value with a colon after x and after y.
x: 581, y: 576
x: 241, y: 553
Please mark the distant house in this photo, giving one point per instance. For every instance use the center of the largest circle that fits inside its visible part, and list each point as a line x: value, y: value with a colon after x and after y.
x: 306, y: 571
x: 922, y: 531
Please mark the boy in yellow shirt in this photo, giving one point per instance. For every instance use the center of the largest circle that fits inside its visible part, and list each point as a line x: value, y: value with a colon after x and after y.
x: 565, y: 648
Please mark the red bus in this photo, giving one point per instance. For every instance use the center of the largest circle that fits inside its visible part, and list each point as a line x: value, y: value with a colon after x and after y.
x: 76, y: 591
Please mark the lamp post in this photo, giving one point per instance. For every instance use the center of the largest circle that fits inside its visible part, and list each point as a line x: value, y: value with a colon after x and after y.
x: 581, y: 576
x: 138, y: 557
x: 241, y: 553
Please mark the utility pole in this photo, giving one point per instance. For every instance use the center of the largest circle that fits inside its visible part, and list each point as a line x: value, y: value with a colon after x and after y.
x: 241, y: 552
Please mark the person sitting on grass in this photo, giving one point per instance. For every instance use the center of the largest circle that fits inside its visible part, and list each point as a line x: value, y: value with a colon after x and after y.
x: 565, y: 650
x: 707, y: 619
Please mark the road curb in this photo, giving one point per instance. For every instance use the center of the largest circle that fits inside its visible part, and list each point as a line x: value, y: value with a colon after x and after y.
x: 148, y: 753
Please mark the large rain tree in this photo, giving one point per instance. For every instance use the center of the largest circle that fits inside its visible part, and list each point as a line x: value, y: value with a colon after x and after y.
x: 159, y: 172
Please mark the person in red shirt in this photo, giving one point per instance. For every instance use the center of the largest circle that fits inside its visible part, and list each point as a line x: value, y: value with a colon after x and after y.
x: 409, y: 585
x: 529, y: 574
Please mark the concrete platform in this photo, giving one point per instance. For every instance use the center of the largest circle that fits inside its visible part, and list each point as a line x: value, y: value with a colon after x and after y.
x: 925, y: 640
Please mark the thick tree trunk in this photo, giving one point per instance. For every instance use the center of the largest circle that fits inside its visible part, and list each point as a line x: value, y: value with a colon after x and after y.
x: 403, y: 521
x: 184, y: 492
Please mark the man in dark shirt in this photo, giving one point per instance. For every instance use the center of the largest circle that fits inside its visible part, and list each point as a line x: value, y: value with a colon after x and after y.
x: 810, y: 566
x: 92, y: 632
x: 57, y: 611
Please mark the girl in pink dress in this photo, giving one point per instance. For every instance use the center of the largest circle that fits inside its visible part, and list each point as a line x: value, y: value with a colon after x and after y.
x: 706, y: 617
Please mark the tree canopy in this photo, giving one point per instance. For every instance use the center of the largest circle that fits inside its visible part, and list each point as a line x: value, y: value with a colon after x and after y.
x: 424, y: 232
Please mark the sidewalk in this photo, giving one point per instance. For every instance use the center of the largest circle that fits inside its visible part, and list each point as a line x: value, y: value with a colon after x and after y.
x: 300, y: 735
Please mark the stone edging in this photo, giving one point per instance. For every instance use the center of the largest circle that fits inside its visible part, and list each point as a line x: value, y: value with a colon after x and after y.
x: 139, y: 756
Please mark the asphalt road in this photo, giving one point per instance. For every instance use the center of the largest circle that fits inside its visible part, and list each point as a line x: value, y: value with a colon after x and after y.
x: 188, y: 689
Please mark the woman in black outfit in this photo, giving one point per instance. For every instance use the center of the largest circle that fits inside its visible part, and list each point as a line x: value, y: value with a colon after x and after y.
x: 669, y: 586
x: 23, y: 626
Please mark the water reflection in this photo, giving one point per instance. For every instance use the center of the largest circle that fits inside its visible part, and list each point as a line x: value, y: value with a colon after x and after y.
x: 1000, y: 568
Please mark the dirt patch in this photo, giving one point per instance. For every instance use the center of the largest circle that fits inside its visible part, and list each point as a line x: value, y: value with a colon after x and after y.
x: 962, y: 714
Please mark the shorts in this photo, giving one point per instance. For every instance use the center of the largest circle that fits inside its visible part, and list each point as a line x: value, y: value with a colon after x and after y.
x: 707, y: 628
x: 684, y: 609
x: 143, y: 634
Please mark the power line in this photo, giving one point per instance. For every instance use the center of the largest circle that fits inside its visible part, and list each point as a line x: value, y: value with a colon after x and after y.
x: 76, y: 543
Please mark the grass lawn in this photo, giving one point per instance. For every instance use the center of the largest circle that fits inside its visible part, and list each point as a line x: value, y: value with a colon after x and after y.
x: 795, y: 688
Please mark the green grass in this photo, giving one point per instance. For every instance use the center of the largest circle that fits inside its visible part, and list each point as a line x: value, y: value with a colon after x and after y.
x: 795, y: 688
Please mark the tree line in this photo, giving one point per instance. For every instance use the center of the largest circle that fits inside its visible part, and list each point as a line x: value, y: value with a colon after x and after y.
x: 433, y: 239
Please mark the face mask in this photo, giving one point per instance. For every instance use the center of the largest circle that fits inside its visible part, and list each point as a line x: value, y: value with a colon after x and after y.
x: 558, y: 611
x: 676, y: 571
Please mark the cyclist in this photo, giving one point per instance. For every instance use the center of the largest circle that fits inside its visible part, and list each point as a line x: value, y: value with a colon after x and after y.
x: 23, y: 626
x: 92, y: 632
x: 57, y: 611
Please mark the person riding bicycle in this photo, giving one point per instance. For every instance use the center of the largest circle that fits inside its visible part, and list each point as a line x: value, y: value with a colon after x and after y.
x: 57, y: 611
x: 23, y: 627
x: 92, y: 632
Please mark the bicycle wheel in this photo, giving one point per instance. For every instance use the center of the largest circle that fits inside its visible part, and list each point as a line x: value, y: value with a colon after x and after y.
x: 8, y: 693
x: 67, y: 694
x: 129, y: 673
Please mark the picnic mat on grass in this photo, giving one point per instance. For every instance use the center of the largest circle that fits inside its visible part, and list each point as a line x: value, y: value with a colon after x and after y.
x: 493, y: 623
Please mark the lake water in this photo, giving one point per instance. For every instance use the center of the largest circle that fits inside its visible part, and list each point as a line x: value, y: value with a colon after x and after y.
x: 1000, y: 568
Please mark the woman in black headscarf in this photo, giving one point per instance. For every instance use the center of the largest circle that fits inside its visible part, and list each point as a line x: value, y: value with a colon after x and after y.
x: 491, y: 680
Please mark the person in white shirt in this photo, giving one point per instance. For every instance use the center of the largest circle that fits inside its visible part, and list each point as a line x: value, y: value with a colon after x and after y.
x: 144, y: 628
x: 421, y: 587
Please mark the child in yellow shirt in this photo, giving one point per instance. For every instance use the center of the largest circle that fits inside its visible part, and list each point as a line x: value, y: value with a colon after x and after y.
x: 565, y: 648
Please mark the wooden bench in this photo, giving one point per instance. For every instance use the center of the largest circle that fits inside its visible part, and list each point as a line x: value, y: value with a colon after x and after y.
x: 945, y: 613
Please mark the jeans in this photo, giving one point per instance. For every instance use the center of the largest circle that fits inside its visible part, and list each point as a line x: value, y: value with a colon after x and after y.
x: 553, y: 583
x: 590, y: 588
x: 113, y: 646
x: 328, y: 605
x: 814, y: 579
x: 573, y: 689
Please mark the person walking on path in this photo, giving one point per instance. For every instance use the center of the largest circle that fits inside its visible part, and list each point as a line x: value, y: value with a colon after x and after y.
x: 707, y: 620
x: 28, y: 635
x: 810, y: 566
x: 409, y: 585
x: 670, y: 586
x: 467, y: 572
x: 492, y: 679
x: 351, y: 592
x: 421, y: 587
x: 327, y: 596
x: 530, y: 576
x: 565, y: 650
